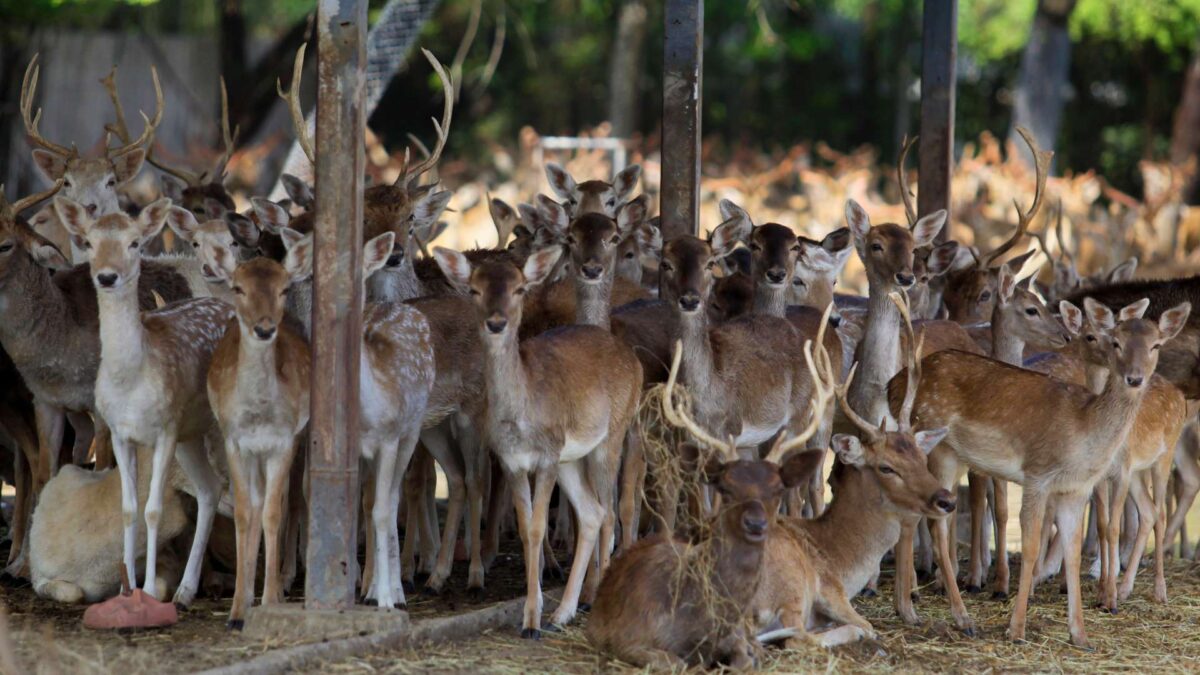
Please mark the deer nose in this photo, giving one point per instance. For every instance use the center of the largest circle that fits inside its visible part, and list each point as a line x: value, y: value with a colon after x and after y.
x: 496, y: 325
x: 1134, y: 382
x: 943, y: 501
x: 395, y: 259
x: 754, y: 524
x: 904, y: 280
x: 689, y: 302
x: 776, y: 275
x: 592, y: 270
x: 91, y: 209
x: 264, y: 332
x: 107, y: 279
x: 835, y: 320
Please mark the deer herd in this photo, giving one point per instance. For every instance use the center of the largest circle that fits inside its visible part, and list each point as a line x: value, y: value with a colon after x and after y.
x: 172, y: 340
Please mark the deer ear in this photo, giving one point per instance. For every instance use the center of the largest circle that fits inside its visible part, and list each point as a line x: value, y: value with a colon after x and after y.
x: 1072, y: 317
x: 172, y: 189
x: 126, y: 166
x: 1134, y: 311
x: 540, y: 264
x: 1124, y: 271
x: 73, y: 217
x: 964, y: 259
x: 560, y: 181
x: 428, y: 209
x: 1006, y: 283
x: 928, y: 440
x: 244, y: 231
x: 728, y: 234
x: 927, y: 228
x: 553, y: 214
x: 859, y: 224
x: 1018, y: 263
x: 625, y: 182
x: 650, y: 240
x: 504, y: 218
x: 849, y: 450
x: 47, y: 255
x: 153, y: 218
x: 183, y: 222
x: 213, y: 209
x: 219, y: 259
x: 300, y: 192
x: 729, y: 210
x: 1099, y: 315
x: 838, y: 241
x: 800, y: 466
x: 292, y: 237
x: 941, y: 258
x: 454, y: 265
x: 632, y: 214
x: 298, y: 261
x: 52, y: 166
x: 1173, y: 320
x: 271, y: 216
x: 376, y: 252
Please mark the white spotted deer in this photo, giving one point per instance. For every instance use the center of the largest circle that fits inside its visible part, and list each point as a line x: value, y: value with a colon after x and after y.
x: 559, y: 405
x: 258, y: 385
x: 150, y: 386
x: 1054, y: 439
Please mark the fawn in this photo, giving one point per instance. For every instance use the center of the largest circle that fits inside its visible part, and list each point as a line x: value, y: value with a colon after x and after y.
x: 593, y: 196
x: 550, y: 411
x: 150, y: 384
x: 258, y: 387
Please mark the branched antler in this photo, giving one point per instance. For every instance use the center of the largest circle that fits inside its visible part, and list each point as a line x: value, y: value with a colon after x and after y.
x: 1025, y: 218
x: 871, y: 432
x: 28, y: 90
x: 121, y: 130
x: 7, y: 209
x: 229, y: 139
x: 910, y: 211
x: 293, y: 100
x: 824, y: 384
x: 677, y: 417
x: 913, y: 358
x: 413, y: 174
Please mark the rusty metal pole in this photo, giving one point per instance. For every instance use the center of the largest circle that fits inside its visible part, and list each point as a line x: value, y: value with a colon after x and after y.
x: 683, y: 67
x: 332, y: 562
x: 939, y: 50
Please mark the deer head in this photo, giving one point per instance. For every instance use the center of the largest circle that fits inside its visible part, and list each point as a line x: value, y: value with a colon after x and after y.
x: 640, y: 249
x: 227, y: 229
x: 498, y: 287
x: 1021, y: 313
x: 259, y: 286
x: 113, y: 242
x: 817, y: 269
x: 92, y: 183
x: 1126, y: 343
x: 886, y: 250
x: 593, y: 196
x: 19, y: 242
x: 593, y: 239
x: 688, y: 263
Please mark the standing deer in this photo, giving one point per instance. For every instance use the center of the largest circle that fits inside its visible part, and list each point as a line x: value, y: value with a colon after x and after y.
x: 1056, y: 440
x: 258, y: 387
x: 150, y: 386
x: 550, y: 413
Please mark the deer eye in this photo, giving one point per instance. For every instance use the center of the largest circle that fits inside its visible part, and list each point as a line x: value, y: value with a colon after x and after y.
x: 133, y: 245
x: 68, y: 184
x: 755, y: 247
x: 615, y: 239
x: 629, y: 256
x: 985, y: 296
x: 474, y: 292
x: 195, y: 244
x: 237, y: 290
x: 797, y: 281
x: 877, y: 247
x: 520, y: 291
x: 666, y: 266
x: 887, y: 470
x: 5, y: 248
x: 1153, y: 349
x: 612, y: 202
x: 1091, y: 338
x: 570, y: 240
x: 1116, y: 345
x: 1031, y: 311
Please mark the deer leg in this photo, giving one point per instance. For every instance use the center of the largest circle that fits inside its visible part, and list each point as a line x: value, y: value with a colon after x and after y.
x: 50, y: 427
x: 384, y: 468
x: 437, y: 441
x: 254, y: 534
x: 164, y: 455
x: 81, y: 423
x: 367, y: 498
x: 127, y: 468
x: 633, y: 473
x: 589, y: 511
x: 1000, y: 511
x: 1187, y: 483
x: 1147, y: 520
x: 833, y: 603
x: 239, y: 474
x: 430, y: 547
x: 978, y: 493
x: 1033, y: 511
x: 1101, y: 496
x: 415, y: 523
x: 1070, y: 528
x: 193, y: 460
x: 1159, y: 476
x: 905, y: 574
x: 279, y: 465
x: 22, y: 477
x: 1116, y: 513
x: 296, y: 515
x: 498, y: 498
x: 943, y: 542
x: 102, y: 448
x: 532, y: 534
x: 477, y: 462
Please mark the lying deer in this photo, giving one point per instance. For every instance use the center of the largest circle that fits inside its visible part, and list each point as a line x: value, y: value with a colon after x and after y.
x: 150, y: 384
x: 669, y: 603
x: 1056, y: 440
x: 550, y: 411
x: 258, y: 387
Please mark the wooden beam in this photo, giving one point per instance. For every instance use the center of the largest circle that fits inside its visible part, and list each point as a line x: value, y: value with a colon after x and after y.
x: 683, y: 67
x: 332, y: 562
x: 939, y: 49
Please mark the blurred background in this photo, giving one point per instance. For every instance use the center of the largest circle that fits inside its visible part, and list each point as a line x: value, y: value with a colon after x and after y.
x: 805, y: 102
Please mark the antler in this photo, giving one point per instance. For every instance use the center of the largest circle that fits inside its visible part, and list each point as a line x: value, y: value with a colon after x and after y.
x: 146, y: 139
x: 28, y: 89
x: 824, y: 383
x: 1063, y: 253
x: 121, y: 130
x: 678, y: 418
x: 915, y: 347
x: 229, y: 139
x: 442, y: 129
x: 293, y: 100
x: 25, y: 202
x: 910, y: 211
x: 871, y: 432
x: 1042, y: 169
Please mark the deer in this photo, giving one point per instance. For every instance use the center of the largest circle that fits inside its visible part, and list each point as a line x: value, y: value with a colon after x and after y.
x: 258, y: 386
x: 593, y: 196
x: 881, y: 482
x: 671, y: 603
x: 549, y: 414
x: 992, y: 411
x: 150, y: 386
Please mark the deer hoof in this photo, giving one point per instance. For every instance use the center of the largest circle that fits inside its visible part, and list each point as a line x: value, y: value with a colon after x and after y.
x: 235, y: 624
x: 408, y: 586
x: 868, y: 593
x: 531, y: 634
x: 371, y: 602
x: 972, y: 589
x: 584, y: 607
x: 475, y: 593
x: 431, y: 592
x: 1000, y: 595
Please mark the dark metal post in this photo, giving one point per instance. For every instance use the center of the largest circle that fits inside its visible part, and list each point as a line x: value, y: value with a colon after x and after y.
x: 683, y: 65
x: 939, y: 49
x: 337, y: 306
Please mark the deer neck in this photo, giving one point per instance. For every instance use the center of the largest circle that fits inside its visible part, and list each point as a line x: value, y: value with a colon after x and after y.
x: 878, y: 357
x: 32, y: 310
x: 1112, y: 413
x: 737, y: 565
x: 698, y: 365
x: 858, y: 527
x: 507, y: 381
x: 122, y: 337
x: 593, y: 302
x: 770, y: 300
x: 256, y: 373
x: 1007, y: 346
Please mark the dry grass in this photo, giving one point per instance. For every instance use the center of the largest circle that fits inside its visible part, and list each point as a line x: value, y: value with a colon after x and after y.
x: 1144, y: 637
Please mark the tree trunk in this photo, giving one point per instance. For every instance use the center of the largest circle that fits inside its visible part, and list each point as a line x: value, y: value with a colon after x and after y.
x: 625, y: 69
x: 1185, y: 138
x: 1042, y: 82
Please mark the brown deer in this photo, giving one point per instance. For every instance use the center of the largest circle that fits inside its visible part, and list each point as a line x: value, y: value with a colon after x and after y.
x: 150, y: 386
x: 258, y: 387
x: 593, y: 196
x: 549, y: 411
x: 671, y: 603
x: 1055, y: 439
